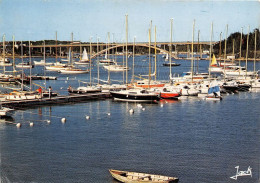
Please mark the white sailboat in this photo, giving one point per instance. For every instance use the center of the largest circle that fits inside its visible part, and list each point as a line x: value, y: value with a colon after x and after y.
x: 84, y: 60
x: 116, y: 68
x: 71, y: 69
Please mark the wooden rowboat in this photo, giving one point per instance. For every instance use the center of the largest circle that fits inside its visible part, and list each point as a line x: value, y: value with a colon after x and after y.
x: 134, y: 177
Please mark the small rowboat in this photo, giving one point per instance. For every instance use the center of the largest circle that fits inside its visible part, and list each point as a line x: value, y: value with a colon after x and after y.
x: 134, y: 177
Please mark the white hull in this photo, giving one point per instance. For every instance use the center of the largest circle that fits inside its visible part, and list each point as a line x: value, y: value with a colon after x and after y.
x: 55, y: 68
x: 24, y: 66
x: 42, y: 62
x: 72, y: 71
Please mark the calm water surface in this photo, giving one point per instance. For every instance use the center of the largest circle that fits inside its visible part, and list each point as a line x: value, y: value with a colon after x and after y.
x: 193, y: 139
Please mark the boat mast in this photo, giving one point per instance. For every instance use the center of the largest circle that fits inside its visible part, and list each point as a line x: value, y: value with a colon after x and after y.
x: 56, y: 57
x: 155, y: 59
x: 233, y: 53
x: 108, y: 35
x: 225, y: 54
x: 192, y: 52
x: 126, y: 51
x: 71, y: 56
x: 198, y: 51
x: 90, y: 60
x: 210, y: 49
x: 170, y: 55
x: 149, y: 77
x: 240, y: 52
x: 44, y: 69
x: 219, y: 55
x: 98, y: 59
x: 22, y: 63
x: 133, y: 69
x: 4, y: 51
x: 255, y: 50
x: 247, y: 48
x: 30, y: 57
x: 13, y: 57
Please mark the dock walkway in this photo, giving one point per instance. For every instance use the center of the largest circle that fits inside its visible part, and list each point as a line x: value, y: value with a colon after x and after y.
x: 55, y: 100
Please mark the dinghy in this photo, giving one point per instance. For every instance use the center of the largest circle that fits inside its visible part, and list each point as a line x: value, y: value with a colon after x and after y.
x: 135, y: 177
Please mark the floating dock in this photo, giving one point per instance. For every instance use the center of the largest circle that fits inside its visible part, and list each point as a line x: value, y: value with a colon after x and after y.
x: 55, y: 100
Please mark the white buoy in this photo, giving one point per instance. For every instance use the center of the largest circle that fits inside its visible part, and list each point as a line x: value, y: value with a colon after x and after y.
x: 48, y: 121
x: 61, y: 88
x: 131, y: 111
x: 67, y: 78
x: 87, y: 117
x: 63, y: 120
x: 66, y: 81
x: 31, y: 124
x: 161, y: 105
x: 108, y: 114
x: 143, y: 109
x: 18, y: 125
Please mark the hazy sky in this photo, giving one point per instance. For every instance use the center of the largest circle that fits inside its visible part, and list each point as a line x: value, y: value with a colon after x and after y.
x: 40, y: 19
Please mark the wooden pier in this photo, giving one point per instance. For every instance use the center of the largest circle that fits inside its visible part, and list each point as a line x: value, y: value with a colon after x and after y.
x: 55, y: 100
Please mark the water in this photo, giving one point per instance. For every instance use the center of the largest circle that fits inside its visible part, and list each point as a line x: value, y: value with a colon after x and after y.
x: 193, y: 139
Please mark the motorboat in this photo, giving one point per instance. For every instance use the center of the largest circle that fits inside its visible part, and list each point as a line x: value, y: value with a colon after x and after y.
x: 135, y: 177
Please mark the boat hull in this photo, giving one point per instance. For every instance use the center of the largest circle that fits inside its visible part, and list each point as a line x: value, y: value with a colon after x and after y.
x: 134, y: 97
x: 134, y: 177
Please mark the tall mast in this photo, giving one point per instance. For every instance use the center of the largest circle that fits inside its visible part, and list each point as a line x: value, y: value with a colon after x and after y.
x: 30, y: 57
x: 192, y: 54
x: 90, y: 61
x: 210, y: 49
x: 225, y: 54
x: 13, y: 57
x: 155, y: 59
x: 219, y: 55
x: 198, y: 51
x: 149, y: 57
x: 126, y: 58
x: 22, y: 63
x: 133, y: 69
x: 108, y: 35
x: 56, y: 57
x: 170, y: 55
x: 71, y: 56
x: 240, y: 52
x: 98, y: 59
x: 247, y: 48
x: 44, y: 62
x: 255, y: 50
x: 4, y: 51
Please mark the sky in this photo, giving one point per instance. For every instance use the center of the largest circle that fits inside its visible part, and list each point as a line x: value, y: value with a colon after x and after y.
x: 91, y: 19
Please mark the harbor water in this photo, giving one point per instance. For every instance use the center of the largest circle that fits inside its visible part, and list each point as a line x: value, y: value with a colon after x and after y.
x: 190, y: 138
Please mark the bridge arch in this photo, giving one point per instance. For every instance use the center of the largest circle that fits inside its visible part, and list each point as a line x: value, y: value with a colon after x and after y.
x: 131, y: 44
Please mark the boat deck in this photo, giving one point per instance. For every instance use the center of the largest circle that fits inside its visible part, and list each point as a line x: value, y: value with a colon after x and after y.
x: 55, y: 100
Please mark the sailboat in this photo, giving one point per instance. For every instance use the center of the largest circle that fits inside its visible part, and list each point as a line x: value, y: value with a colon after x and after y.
x: 106, y: 61
x: 168, y: 62
x: 116, y: 68
x: 213, y: 92
x: 42, y: 62
x: 84, y: 60
x: 214, y: 67
x: 71, y: 69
